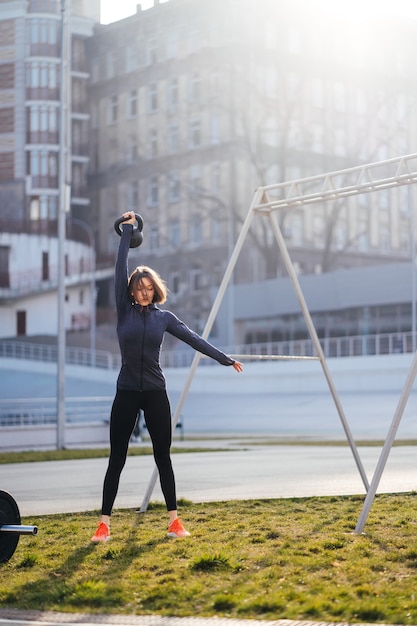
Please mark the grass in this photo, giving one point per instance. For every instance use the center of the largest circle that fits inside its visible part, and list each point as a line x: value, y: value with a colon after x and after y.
x: 292, y: 558
x: 36, y: 456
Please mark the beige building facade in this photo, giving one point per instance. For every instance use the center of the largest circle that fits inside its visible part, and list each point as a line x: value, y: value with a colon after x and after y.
x: 181, y: 111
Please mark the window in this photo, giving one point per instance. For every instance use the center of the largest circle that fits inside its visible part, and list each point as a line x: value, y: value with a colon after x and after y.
x: 403, y: 200
x: 131, y: 59
x: 215, y: 228
x: 4, y: 266
x: 195, y: 181
x: 152, y: 99
x: 175, y: 233
x: 385, y: 238
x: 153, y: 143
x: 297, y: 230
x: 113, y: 109
x: 215, y: 85
x: 43, y: 118
x: 132, y: 150
x: 194, y: 134
x: 111, y: 64
x: 153, y: 191
x: 214, y: 129
x: 154, y: 238
x: 173, y: 138
x: 174, y: 187
x: 43, y: 163
x: 195, y: 229
x: 384, y: 198
x: 151, y: 52
x: 195, y: 88
x: 42, y: 74
x: 45, y: 265
x: 43, y: 31
x: 215, y: 178
x: 318, y: 229
x: 172, y: 95
x: 172, y: 45
x: 132, y: 104
x: 196, y: 279
x: 77, y: 184
x: 175, y: 282
x: 133, y: 196
x: 95, y: 71
x: 340, y: 236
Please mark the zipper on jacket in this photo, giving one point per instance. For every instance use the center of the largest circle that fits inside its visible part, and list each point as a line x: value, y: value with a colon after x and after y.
x: 143, y: 313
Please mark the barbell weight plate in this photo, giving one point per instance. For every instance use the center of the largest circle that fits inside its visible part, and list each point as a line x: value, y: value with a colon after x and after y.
x: 9, y: 514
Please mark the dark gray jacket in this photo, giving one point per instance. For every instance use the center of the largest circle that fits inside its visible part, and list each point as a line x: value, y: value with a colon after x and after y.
x: 141, y: 332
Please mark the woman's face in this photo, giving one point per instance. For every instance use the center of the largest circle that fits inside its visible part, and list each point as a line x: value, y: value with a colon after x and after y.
x: 144, y: 291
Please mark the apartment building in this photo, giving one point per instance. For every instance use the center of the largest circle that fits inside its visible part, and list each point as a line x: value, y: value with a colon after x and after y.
x: 30, y: 105
x: 195, y: 103
x: 180, y: 112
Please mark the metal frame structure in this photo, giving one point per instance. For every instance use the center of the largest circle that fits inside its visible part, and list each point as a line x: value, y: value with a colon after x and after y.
x: 267, y: 201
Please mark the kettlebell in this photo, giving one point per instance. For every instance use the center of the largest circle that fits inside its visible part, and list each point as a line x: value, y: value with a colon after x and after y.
x: 137, y: 236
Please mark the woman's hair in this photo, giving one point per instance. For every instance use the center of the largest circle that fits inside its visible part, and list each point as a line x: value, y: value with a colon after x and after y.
x: 142, y: 271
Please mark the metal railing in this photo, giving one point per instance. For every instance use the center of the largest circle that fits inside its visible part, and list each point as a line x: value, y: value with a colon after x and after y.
x: 48, y: 354
x: 333, y: 347
x: 23, y: 412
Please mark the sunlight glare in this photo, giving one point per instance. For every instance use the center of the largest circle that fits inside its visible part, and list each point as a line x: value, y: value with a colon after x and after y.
x: 358, y: 10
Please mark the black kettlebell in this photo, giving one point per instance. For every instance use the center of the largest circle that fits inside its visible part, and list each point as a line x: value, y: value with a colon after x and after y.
x: 137, y: 236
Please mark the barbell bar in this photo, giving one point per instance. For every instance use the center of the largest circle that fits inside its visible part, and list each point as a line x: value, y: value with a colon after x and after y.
x: 10, y: 527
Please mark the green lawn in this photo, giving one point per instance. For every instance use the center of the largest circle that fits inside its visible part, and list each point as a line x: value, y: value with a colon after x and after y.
x: 292, y: 558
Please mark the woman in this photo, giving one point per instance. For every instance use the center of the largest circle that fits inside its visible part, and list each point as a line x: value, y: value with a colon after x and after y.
x: 141, y: 385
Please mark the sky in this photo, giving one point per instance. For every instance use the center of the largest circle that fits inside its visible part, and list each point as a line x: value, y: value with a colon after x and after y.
x: 113, y: 10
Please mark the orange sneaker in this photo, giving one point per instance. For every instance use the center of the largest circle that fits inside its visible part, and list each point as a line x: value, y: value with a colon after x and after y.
x: 102, y: 533
x: 176, y: 530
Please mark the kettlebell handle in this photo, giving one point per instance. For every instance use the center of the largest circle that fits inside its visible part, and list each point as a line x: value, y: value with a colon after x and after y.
x: 137, y: 236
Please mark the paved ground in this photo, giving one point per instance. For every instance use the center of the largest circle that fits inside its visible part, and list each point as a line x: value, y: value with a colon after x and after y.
x: 245, y: 471
x: 31, y: 618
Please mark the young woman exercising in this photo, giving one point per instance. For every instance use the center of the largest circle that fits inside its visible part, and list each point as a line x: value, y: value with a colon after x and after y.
x: 141, y: 384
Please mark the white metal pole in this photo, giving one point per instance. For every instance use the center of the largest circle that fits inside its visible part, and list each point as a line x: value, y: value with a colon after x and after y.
x: 387, y: 446
x: 413, y: 208
x: 63, y: 199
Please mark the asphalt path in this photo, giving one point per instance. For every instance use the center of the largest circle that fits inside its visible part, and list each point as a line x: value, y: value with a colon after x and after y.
x: 244, y: 471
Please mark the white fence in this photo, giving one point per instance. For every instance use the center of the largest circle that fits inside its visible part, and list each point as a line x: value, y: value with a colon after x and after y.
x: 333, y: 347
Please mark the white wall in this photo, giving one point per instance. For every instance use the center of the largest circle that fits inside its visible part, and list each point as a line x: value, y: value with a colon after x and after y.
x: 37, y: 297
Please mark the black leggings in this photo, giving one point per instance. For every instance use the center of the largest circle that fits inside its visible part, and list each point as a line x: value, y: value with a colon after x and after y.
x: 157, y: 413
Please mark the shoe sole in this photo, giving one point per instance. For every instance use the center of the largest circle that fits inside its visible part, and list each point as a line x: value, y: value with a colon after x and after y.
x: 175, y: 536
x: 100, y: 540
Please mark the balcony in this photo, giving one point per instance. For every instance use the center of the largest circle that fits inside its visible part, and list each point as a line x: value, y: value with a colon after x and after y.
x: 42, y: 93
